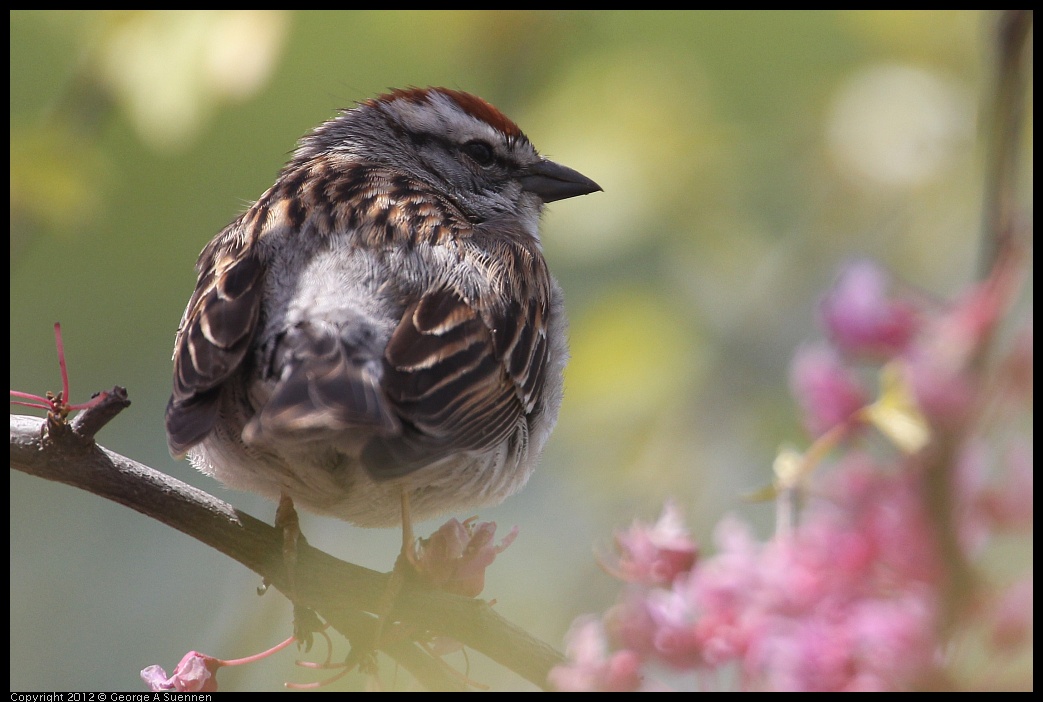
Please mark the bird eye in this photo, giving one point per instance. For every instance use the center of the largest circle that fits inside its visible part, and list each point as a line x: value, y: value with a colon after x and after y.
x: 480, y: 152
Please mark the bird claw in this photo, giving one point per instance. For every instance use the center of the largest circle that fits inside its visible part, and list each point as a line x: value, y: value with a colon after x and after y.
x: 306, y: 624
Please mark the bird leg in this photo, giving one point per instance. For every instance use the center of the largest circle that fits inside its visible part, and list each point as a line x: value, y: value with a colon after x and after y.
x: 305, y: 621
x: 286, y: 519
x: 404, y: 567
x: 408, y: 540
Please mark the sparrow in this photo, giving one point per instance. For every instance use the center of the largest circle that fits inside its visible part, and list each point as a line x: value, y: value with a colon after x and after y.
x: 378, y: 337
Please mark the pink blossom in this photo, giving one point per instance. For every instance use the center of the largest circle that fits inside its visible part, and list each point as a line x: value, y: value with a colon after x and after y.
x: 725, y: 590
x: 58, y: 406
x: 885, y: 510
x: 197, y: 672
x: 861, y: 319
x: 846, y: 602
x: 592, y: 667
x: 656, y: 554
x: 842, y: 603
x: 455, y: 557
x: 630, y: 624
x: 674, y: 638
x: 943, y: 390
x: 841, y: 644
x: 828, y: 393
x: 856, y: 595
x: 895, y: 640
x: 942, y: 370
x: 799, y: 654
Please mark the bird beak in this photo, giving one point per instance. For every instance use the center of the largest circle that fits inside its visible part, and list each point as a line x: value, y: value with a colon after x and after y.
x: 552, y: 181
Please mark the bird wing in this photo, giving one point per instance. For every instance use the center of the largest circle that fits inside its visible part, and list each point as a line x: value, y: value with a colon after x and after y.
x: 214, y: 336
x: 459, y: 377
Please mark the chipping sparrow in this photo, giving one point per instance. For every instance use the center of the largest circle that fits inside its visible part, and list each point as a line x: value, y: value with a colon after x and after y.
x: 378, y: 336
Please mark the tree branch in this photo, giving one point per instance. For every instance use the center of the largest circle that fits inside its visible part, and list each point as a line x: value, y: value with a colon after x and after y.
x: 1005, y: 116
x: 343, y: 594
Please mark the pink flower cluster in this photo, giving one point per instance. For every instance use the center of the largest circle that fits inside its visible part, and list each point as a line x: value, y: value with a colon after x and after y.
x: 197, y: 672
x: 847, y: 602
x: 455, y: 557
x: 58, y: 406
x: 861, y: 593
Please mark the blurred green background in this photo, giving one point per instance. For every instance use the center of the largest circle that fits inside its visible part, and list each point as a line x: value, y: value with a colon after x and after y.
x: 744, y: 156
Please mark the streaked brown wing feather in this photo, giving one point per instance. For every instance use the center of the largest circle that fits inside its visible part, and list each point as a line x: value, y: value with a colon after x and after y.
x: 214, y: 337
x: 520, y: 340
x: 459, y: 379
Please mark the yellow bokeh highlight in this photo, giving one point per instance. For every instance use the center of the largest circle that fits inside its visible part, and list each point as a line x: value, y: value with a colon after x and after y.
x: 631, y: 356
